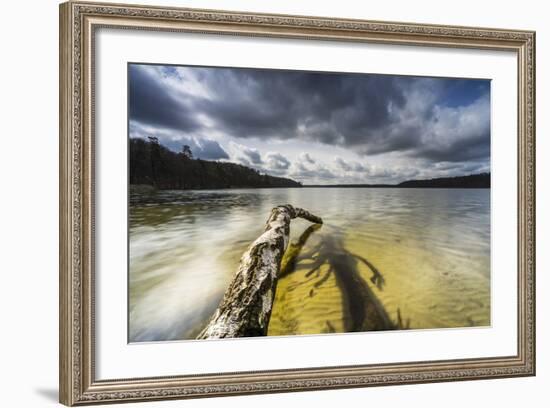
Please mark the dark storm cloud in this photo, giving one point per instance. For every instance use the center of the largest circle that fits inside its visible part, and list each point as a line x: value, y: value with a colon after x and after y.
x: 151, y: 103
x: 461, y: 150
x: 329, y: 108
x: 369, y: 114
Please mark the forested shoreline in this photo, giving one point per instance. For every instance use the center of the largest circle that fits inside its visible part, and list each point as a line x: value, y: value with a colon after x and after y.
x: 152, y: 164
x: 481, y: 180
x: 155, y: 165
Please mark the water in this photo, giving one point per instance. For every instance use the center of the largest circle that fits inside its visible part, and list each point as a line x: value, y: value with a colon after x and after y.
x: 431, y: 246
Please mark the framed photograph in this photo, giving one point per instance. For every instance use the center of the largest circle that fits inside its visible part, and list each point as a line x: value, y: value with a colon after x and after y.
x: 256, y: 203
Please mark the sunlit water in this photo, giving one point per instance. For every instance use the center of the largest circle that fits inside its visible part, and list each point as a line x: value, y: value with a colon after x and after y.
x: 432, y: 247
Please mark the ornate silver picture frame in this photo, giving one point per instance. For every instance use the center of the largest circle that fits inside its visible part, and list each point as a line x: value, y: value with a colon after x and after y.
x: 79, y: 23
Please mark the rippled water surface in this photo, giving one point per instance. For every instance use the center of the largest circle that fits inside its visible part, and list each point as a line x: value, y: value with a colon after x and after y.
x: 430, y: 246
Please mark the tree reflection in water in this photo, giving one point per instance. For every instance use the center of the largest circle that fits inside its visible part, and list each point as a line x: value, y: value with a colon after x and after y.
x: 362, y: 309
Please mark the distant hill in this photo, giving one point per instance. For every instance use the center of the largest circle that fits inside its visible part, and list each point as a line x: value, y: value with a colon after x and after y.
x: 155, y: 165
x: 482, y: 180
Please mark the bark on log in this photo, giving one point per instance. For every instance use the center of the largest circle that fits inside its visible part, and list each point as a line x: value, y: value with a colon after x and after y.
x: 245, y: 309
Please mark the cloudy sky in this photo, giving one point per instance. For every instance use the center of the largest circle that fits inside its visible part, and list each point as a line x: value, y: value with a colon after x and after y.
x: 317, y: 128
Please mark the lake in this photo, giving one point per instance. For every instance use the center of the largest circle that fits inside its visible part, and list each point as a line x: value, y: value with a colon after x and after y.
x: 431, y: 246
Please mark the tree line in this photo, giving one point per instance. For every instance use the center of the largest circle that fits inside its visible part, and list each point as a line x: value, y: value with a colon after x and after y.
x: 153, y: 164
x: 482, y: 180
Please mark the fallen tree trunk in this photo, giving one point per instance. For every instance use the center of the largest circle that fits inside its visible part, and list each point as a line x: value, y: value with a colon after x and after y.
x: 246, y: 306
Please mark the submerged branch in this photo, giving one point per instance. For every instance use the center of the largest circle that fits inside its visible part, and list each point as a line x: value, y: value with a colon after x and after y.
x: 245, y: 309
x: 288, y: 264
